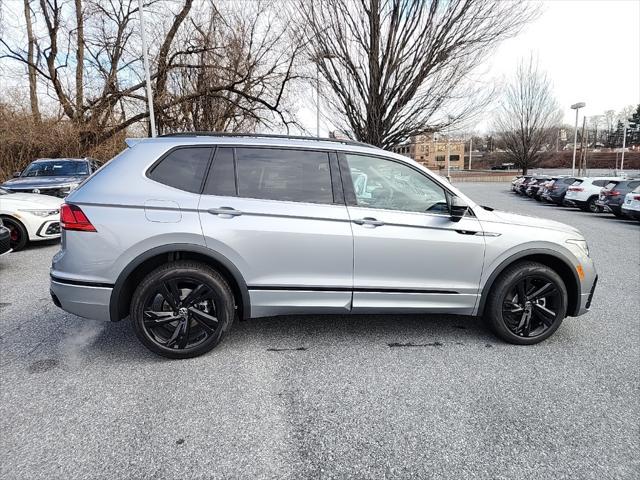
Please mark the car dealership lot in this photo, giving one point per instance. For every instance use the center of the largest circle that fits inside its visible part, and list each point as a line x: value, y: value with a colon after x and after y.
x: 328, y: 397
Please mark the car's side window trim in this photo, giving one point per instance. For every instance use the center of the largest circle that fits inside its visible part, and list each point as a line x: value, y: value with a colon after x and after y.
x: 217, y: 149
x: 205, y: 177
x: 347, y: 182
x: 336, y: 180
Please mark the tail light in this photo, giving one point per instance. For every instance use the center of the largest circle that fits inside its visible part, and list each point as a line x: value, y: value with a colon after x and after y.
x: 576, y: 189
x: 73, y: 218
x: 636, y: 197
x: 613, y: 193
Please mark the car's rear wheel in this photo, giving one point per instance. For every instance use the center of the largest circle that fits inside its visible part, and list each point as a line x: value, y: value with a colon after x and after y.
x: 527, y: 303
x: 591, y: 206
x: 182, y: 309
x: 18, y: 236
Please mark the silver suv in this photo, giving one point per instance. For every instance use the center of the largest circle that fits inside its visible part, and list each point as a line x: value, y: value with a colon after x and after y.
x: 184, y: 233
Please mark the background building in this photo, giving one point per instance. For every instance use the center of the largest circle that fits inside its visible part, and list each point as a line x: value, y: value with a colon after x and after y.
x: 431, y: 151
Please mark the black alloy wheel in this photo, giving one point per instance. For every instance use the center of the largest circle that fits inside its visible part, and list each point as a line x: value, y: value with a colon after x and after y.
x: 182, y: 309
x: 531, y: 306
x: 527, y: 303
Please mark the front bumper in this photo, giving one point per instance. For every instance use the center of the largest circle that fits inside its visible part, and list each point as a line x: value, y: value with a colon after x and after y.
x: 48, y: 229
x: 80, y: 299
x: 586, y: 298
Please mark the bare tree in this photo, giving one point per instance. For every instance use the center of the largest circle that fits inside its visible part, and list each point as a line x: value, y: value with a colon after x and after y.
x: 528, y: 116
x: 31, y: 44
x: 398, y: 68
x: 102, y: 91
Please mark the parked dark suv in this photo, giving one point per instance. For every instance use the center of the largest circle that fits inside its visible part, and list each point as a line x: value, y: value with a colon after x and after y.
x: 49, y: 176
x: 612, y: 195
x: 557, y: 189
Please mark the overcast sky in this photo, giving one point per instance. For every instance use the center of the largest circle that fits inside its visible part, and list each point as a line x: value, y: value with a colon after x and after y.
x: 590, y: 50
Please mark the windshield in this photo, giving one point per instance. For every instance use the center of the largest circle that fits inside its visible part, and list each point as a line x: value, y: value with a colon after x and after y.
x: 56, y: 168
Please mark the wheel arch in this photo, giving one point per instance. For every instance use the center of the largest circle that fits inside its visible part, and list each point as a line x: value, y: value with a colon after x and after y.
x: 133, y: 273
x: 552, y: 259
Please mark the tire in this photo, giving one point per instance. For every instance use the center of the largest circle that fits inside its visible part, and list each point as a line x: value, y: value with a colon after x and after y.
x: 591, y: 206
x: 502, y: 312
x: 18, y: 234
x: 182, y: 309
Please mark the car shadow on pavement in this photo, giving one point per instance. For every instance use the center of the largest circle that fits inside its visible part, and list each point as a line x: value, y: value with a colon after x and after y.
x: 316, y: 332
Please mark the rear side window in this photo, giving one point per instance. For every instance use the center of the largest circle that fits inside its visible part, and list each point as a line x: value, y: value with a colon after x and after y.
x: 183, y: 168
x: 633, y: 185
x: 279, y: 174
x: 569, y: 181
x: 222, y: 178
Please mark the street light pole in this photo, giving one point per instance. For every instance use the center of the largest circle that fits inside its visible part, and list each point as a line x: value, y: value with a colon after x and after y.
x: 319, y: 58
x: 470, y: 150
x: 624, y: 145
x: 145, y: 59
x: 449, y: 153
x: 317, y: 100
x: 576, y: 107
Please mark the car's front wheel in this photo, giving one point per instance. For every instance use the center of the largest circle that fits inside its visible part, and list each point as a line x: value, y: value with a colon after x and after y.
x: 18, y: 236
x: 182, y: 309
x: 527, y: 303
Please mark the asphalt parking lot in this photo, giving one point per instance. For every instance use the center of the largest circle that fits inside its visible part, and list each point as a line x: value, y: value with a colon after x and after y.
x: 327, y: 397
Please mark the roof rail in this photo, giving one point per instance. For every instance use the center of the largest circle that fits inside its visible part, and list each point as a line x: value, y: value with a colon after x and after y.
x: 267, y: 135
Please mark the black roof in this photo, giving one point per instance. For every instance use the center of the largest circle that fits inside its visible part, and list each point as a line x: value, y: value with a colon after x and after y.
x: 267, y: 135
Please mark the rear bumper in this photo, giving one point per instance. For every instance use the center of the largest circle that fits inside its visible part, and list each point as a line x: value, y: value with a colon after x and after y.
x: 86, y: 301
x: 574, y: 203
x: 635, y: 214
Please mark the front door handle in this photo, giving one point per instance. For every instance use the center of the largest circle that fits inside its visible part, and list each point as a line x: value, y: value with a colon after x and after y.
x: 369, y: 221
x: 225, y: 212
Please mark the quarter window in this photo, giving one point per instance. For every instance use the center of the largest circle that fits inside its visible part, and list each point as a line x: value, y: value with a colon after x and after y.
x: 385, y: 184
x: 183, y: 168
x: 288, y: 175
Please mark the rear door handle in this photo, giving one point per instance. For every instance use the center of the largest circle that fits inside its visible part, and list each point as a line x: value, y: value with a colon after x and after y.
x: 369, y: 221
x: 225, y: 212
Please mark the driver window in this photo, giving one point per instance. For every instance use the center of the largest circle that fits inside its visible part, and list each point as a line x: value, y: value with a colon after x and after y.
x: 380, y: 183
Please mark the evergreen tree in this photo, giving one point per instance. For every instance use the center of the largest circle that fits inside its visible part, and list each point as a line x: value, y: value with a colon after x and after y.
x: 633, y: 130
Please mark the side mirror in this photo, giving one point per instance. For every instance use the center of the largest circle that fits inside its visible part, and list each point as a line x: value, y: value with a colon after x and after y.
x: 457, y: 208
x: 16, y: 174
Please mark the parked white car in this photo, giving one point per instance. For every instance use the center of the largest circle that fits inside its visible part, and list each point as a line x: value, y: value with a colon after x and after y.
x: 631, y: 204
x: 29, y: 217
x: 584, y: 193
